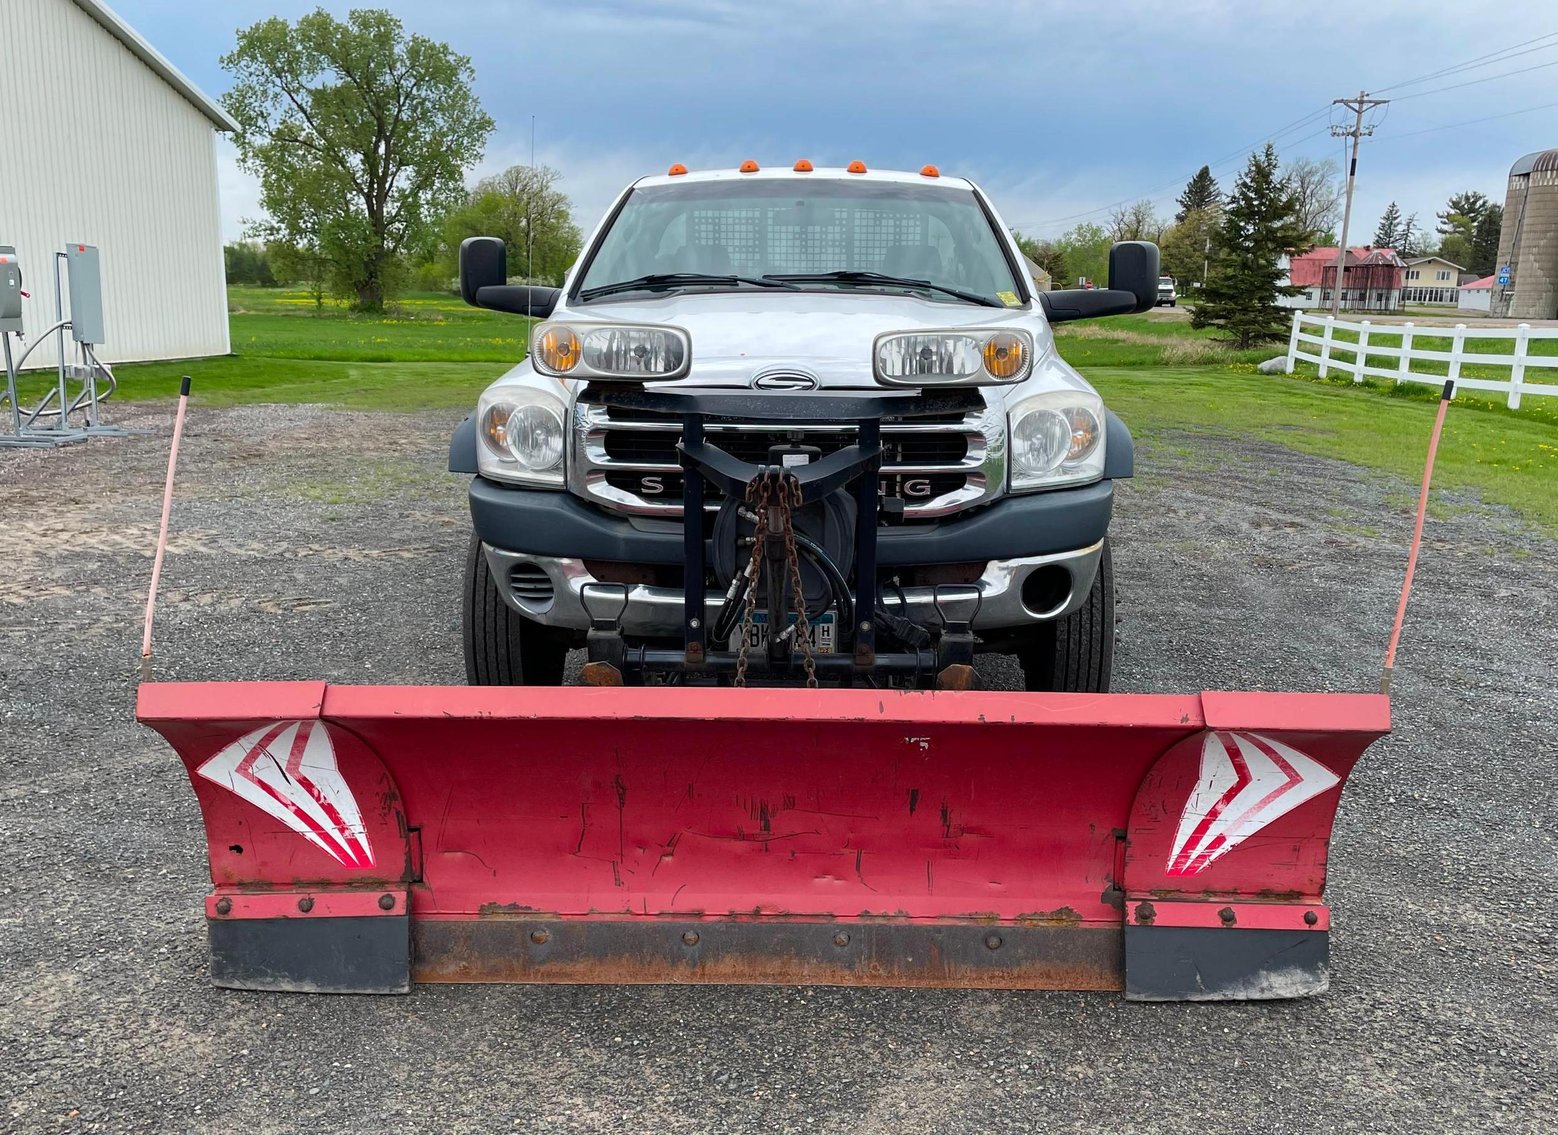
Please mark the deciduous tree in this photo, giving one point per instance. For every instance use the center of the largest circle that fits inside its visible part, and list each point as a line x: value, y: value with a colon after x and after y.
x: 1317, y: 188
x: 1048, y: 255
x: 523, y: 206
x: 1261, y: 224
x: 1135, y: 222
x: 359, y: 135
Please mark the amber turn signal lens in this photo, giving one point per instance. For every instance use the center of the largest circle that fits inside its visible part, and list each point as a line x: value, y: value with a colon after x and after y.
x: 1003, y: 355
x: 558, y: 349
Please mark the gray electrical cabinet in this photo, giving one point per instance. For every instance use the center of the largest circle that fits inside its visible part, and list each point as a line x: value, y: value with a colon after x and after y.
x: 86, y: 293
x: 10, y: 291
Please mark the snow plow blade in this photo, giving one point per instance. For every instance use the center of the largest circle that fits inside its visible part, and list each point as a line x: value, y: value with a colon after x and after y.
x: 362, y: 838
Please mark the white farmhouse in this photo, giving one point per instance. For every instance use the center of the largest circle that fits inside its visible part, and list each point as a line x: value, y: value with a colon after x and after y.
x: 103, y: 142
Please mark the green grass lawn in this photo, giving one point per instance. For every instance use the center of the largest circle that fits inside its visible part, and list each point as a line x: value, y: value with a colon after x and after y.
x: 431, y: 352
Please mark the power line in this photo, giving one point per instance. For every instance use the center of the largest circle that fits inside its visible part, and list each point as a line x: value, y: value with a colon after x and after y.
x: 1474, y: 82
x: 1468, y: 122
x: 1232, y: 157
x: 1491, y: 57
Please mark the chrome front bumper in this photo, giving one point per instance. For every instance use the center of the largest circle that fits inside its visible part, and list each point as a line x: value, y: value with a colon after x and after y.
x: 656, y: 612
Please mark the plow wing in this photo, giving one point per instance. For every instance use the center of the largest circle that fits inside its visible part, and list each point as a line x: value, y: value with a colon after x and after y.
x: 361, y: 838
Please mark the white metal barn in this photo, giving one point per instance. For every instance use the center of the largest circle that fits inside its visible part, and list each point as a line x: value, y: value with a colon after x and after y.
x: 103, y: 142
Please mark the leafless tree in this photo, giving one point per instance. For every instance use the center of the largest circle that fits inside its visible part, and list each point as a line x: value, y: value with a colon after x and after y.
x: 1318, y: 185
x: 1135, y: 222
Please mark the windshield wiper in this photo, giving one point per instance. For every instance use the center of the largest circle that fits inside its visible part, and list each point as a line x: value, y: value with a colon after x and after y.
x: 855, y: 277
x: 663, y: 280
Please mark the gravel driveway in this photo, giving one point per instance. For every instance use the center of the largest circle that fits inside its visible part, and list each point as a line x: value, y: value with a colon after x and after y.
x: 316, y: 544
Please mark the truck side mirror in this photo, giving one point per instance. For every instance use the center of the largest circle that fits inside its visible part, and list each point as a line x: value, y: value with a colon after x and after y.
x: 483, y: 264
x: 1133, y: 267
x: 484, y: 281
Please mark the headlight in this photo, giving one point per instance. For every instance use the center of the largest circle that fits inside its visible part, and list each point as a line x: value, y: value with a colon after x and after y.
x: 613, y: 352
x: 1057, y: 438
x: 974, y: 357
x: 521, y: 432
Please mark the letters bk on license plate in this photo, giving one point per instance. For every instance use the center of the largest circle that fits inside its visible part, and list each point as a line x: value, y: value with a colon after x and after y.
x: 822, y: 632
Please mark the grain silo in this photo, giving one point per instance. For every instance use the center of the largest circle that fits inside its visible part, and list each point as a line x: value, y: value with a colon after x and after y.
x: 1528, y: 246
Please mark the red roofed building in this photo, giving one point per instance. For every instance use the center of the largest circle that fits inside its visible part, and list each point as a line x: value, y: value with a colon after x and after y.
x: 1372, y: 281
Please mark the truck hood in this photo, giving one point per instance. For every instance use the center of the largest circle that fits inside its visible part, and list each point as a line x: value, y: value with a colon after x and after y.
x: 737, y: 337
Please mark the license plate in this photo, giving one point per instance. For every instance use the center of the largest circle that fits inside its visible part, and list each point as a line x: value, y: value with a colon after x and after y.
x: 823, y: 634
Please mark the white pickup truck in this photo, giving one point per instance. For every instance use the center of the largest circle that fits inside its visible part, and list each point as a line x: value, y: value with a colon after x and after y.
x: 798, y: 282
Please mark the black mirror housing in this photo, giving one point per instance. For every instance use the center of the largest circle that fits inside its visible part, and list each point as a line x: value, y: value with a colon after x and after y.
x: 1133, y: 287
x: 484, y: 281
x: 483, y: 264
x: 1133, y: 267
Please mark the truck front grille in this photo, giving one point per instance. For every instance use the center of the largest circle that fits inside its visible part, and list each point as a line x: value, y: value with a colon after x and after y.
x: 626, y: 460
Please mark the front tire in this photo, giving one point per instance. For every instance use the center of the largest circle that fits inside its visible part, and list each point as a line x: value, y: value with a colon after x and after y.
x: 1075, y: 654
x: 502, y: 647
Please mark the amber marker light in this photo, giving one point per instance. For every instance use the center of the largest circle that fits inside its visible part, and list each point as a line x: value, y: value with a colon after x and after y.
x: 558, y: 349
x: 803, y: 166
x: 1003, y: 355
x: 676, y: 170
x: 929, y: 171
x: 855, y: 167
x: 749, y: 166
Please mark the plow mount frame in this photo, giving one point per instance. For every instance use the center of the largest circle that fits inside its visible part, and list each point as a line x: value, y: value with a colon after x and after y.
x: 360, y: 838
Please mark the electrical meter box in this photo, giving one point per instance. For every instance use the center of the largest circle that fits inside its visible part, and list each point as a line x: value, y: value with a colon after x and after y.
x: 86, y: 293
x: 10, y: 291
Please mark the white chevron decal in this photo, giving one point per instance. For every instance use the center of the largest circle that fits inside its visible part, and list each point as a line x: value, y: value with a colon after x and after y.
x: 1247, y: 781
x: 288, y: 771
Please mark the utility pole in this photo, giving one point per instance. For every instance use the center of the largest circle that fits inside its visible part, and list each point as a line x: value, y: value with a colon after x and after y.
x: 1356, y: 132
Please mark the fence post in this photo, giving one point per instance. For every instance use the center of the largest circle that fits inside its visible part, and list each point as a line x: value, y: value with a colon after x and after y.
x: 1363, y: 351
x: 1325, y: 346
x: 1298, y: 319
x: 1457, y: 349
x: 1404, y: 371
x: 1517, y: 366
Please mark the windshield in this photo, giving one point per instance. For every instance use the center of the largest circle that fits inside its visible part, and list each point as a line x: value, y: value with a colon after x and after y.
x: 792, y: 230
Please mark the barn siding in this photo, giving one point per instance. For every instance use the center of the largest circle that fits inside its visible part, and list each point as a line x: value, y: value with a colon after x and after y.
x: 98, y: 149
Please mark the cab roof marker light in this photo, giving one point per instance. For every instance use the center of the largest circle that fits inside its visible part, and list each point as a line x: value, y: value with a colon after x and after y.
x: 749, y: 166
x: 676, y: 170
x: 803, y: 166
x: 929, y: 171
x: 856, y: 166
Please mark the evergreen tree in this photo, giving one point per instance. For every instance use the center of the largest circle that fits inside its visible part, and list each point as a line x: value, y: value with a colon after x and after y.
x: 1388, y: 234
x: 1200, y: 193
x: 1261, y: 224
x: 1484, y: 241
x: 1409, y: 240
x: 1461, y: 215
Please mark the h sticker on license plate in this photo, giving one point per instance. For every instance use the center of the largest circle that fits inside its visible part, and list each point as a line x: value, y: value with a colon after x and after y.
x: 823, y: 632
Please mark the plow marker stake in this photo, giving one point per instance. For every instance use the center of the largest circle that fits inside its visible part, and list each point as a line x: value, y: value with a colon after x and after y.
x: 363, y: 837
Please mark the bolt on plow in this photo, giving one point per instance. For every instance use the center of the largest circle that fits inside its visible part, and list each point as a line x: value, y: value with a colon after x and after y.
x: 722, y: 806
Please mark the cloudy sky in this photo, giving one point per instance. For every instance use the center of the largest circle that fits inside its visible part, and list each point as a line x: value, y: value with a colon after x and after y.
x: 1058, y: 109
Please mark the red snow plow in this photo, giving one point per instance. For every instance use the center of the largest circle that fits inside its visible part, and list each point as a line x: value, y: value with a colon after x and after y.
x: 365, y: 837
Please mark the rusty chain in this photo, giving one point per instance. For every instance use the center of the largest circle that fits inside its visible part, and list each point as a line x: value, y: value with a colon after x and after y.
x: 758, y: 492
x: 789, y: 501
x: 760, y: 497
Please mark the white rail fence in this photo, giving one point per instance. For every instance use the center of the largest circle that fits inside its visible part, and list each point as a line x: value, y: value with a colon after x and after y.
x: 1401, y: 353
